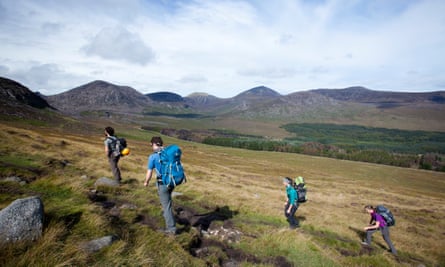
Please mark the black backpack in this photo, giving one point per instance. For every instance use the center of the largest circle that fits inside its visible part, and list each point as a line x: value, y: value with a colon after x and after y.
x: 117, y: 145
x: 386, y: 214
x: 301, y: 191
x: 300, y: 187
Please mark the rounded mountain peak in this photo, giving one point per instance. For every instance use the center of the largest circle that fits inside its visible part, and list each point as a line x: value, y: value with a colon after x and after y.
x: 259, y: 91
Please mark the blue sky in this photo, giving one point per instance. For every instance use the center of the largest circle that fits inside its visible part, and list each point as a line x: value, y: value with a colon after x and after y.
x: 224, y: 47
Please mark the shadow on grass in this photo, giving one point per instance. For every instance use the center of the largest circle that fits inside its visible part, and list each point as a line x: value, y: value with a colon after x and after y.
x: 345, y: 246
x: 130, y: 181
x: 218, y: 251
x: 301, y: 218
x: 188, y: 217
x: 360, y: 233
x: 69, y: 221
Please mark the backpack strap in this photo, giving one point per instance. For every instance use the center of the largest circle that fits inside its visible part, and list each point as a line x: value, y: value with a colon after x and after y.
x: 116, y: 141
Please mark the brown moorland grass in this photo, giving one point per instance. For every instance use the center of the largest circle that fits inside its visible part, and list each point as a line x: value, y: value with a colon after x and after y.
x: 245, y: 181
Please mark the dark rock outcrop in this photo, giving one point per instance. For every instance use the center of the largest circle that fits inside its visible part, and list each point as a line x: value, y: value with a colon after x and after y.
x: 13, y: 93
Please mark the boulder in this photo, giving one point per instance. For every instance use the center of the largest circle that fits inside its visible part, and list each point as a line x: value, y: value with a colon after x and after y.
x: 104, y: 181
x: 15, y: 179
x: 98, y: 244
x: 22, y: 220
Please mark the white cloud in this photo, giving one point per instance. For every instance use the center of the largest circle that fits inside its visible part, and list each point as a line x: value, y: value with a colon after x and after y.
x: 268, y: 72
x: 224, y: 47
x: 45, y: 78
x: 193, y: 78
x: 119, y: 44
x: 4, y: 69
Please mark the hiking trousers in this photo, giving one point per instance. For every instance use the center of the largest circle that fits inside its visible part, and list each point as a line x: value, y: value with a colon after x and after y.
x: 293, y: 222
x: 165, y: 196
x: 385, y: 234
x: 115, y: 168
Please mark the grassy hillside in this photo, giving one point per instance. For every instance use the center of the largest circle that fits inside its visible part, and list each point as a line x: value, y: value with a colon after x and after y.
x: 231, y: 188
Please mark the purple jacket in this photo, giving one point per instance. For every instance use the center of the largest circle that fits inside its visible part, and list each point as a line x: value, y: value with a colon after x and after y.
x: 378, y: 218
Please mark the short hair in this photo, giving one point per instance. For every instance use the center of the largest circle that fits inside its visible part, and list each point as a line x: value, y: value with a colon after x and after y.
x: 157, y: 140
x: 109, y: 130
x: 288, y: 180
x: 368, y: 207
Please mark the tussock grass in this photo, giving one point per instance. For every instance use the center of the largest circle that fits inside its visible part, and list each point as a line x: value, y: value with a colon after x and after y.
x: 62, y: 169
x: 293, y: 245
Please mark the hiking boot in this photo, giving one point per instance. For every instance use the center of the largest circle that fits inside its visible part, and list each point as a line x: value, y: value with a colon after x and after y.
x: 170, y: 233
x: 364, y: 243
x: 167, y: 232
x: 394, y: 253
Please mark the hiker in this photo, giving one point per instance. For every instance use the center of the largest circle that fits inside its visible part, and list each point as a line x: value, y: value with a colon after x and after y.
x: 291, y: 204
x: 110, y: 144
x: 164, y: 192
x: 377, y: 222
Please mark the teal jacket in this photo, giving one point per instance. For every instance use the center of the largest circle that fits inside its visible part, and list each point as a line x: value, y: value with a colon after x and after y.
x: 292, y: 194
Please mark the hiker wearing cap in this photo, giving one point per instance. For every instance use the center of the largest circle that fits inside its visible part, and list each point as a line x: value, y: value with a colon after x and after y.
x: 291, y: 204
x: 377, y: 222
x: 164, y: 192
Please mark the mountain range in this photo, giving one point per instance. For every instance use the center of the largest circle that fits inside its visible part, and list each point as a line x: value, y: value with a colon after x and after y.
x: 348, y: 105
x: 99, y: 95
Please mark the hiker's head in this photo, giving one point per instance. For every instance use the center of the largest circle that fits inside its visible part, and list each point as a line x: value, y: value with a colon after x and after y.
x: 287, y: 181
x: 369, y: 209
x: 109, y: 130
x: 156, y: 140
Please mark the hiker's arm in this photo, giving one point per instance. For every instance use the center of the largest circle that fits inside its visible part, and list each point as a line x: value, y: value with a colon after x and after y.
x: 290, y: 208
x: 106, y: 150
x: 287, y: 201
x: 292, y: 199
x: 148, y: 176
x: 372, y: 227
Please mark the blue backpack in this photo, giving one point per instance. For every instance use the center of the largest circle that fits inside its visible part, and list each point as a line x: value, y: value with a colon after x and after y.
x: 171, y: 167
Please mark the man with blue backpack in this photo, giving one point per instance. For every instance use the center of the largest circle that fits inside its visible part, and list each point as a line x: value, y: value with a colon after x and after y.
x: 169, y: 173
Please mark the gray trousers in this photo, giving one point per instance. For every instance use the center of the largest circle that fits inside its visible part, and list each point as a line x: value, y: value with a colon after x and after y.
x: 114, y: 168
x: 165, y: 196
x: 385, y: 234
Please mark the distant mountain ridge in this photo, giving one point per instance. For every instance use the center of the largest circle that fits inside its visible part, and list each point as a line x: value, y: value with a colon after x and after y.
x: 12, y: 93
x: 357, y: 104
x: 165, y: 97
x: 257, y: 92
x: 100, y: 95
x: 364, y: 95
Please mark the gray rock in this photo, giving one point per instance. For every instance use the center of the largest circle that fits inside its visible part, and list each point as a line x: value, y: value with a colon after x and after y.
x: 22, y: 220
x: 104, y: 181
x: 128, y: 206
x: 98, y: 244
x: 13, y: 179
x: 175, y: 194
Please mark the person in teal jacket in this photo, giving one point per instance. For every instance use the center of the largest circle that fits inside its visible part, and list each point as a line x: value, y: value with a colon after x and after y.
x: 291, y: 204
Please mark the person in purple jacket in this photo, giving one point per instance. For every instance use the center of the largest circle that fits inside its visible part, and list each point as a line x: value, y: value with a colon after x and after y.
x: 377, y: 222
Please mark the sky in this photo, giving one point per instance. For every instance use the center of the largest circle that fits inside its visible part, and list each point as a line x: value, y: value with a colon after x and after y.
x: 224, y: 47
